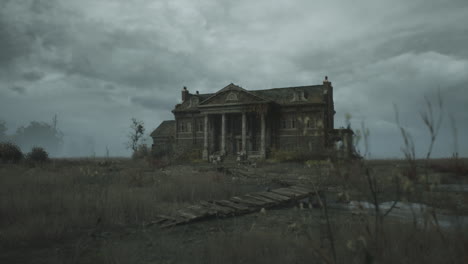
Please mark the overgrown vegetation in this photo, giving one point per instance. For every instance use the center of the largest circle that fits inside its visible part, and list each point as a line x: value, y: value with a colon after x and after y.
x: 454, y: 165
x: 37, y: 155
x: 188, y: 156
x: 142, y: 152
x: 48, y: 204
x: 292, y: 156
x: 379, y: 237
x: 10, y: 153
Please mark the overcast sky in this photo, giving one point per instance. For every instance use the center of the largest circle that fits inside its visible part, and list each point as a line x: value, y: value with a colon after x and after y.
x: 97, y: 63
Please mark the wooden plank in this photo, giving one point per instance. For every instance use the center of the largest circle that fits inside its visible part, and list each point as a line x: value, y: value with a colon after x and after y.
x: 232, y: 205
x: 186, y: 214
x: 285, y: 193
x: 299, y: 192
x: 173, y: 223
x: 220, y: 209
x: 247, y: 201
x: 261, y: 198
x: 293, y: 190
x: 273, y: 196
x: 200, y: 210
x: 167, y: 217
x: 302, y: 189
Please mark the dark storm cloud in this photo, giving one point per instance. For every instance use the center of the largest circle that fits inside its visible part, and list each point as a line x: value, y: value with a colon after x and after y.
x: 109, y: 86
x: 13, y: 44
x: 33, y: 76
x: 153, y: 103
x: 99, y: 63
x: 18, y: 89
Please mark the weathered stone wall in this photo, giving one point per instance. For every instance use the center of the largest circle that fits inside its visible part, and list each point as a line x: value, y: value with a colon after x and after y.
x: 162, y: 144
x: 312, y: 144
x: 305, y: 133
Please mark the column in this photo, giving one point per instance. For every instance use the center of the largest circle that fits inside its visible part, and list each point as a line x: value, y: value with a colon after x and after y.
x: 262, y: 138
x: 194, y: 130
x: 205, y: 138
x: 244, y: 133
x: 223, y: 134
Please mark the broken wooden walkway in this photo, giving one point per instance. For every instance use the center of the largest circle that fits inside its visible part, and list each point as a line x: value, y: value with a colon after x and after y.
x: 237, y: 205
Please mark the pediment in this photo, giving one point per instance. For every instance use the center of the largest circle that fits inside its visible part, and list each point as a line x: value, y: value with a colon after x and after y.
x: 232, y: 94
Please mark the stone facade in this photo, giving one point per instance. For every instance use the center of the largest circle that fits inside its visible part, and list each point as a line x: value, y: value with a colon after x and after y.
x: 252, y: 123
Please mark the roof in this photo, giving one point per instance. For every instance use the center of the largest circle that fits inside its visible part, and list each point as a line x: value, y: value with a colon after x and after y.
x: 202, y: 97
x: 281, y: 96
x: 313, y: 93
x: 165, y: 129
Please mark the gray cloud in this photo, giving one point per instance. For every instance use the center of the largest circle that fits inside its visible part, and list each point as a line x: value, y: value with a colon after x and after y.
x: 99, y: 63
x: 18, y: 89
x: 153, y: 103
x: 33, y: 76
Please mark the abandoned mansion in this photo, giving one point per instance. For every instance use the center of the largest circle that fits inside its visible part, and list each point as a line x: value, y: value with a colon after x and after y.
x: 254, y: 123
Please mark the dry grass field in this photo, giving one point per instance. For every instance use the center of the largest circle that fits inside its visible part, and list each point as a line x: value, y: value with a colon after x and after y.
x: 99, y: 210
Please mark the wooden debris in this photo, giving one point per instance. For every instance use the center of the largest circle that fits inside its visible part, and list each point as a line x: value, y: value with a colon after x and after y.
x: 247, y: 201
x: 221, y: 210
x: 274, y: 196
x: 238, y: 205
x: 285, y: 192
x: 260, y: 198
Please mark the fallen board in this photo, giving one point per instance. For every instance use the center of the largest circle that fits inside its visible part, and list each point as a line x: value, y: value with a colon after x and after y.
x: 238, y: 205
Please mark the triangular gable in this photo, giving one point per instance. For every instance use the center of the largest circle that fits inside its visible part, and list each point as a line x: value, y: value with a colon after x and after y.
x: 232, y: 94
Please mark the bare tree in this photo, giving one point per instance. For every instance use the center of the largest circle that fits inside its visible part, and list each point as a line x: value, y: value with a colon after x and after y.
x: 136, y: 134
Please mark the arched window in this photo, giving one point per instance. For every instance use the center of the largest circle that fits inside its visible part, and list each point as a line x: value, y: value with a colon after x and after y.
x: 232, y: 97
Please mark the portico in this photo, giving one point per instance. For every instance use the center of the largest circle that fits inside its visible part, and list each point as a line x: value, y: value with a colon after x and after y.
x: 233, y: 133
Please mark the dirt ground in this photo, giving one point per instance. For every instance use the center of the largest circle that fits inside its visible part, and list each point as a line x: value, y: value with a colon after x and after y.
x: 100, y: 211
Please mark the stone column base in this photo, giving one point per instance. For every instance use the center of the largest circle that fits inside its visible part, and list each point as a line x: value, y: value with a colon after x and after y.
x: 205, y: 154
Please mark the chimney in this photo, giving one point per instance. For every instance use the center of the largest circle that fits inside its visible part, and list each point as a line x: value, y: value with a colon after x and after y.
x: 185, y: 94
x: 326, y: 82
x: 198, y: 93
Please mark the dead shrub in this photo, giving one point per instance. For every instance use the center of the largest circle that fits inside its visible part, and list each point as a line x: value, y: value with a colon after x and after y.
x: 188, y: 156
x: 291, y: 156
x: 141, y: 152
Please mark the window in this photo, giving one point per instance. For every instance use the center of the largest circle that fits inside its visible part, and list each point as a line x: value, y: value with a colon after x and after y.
x: 284, y: 123
x: 181, y: 126
x: 200, y: 125
x: 189, y: 127
x: 311, y: 123
x: 288, y: 122
x: 185, y: 126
